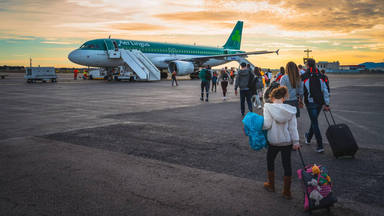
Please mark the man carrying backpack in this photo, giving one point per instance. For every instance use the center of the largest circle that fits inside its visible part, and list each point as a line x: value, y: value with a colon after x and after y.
x: 205, y: 77
x: 242, y: 80
x: 316, y: 98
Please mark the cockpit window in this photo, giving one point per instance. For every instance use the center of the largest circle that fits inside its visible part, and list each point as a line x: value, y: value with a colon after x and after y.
x: 89, y: 46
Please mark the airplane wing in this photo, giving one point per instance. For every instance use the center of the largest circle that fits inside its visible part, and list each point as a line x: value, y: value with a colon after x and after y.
x: 202, y: 59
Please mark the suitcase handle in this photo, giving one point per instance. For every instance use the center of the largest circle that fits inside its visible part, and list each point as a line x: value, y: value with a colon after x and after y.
x: 326, y: 118
x: 301, y: 157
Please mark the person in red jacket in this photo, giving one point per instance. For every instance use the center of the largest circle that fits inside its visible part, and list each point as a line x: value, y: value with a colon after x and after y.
x: 75, y: 72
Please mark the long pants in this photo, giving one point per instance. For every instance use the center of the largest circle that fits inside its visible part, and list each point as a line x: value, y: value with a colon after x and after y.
x: 257, y: 96
x: 313, y: 112
x: 285, y: 158
x: 75, y: 76
x: 214, y: 84
x: 205, y: 85
x: 245, y: 94
x: 224, y: 85
x: 174, y: 81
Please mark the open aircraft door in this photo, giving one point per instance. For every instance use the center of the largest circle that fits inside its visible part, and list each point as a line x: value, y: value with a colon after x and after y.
x: 112, y: 48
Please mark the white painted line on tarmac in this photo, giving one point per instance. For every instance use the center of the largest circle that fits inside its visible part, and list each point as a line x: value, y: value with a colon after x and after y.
x: 367, y: 129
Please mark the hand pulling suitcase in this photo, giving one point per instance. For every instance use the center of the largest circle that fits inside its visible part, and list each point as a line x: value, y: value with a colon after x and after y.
x: 328, y: 199
x: 340, y: 139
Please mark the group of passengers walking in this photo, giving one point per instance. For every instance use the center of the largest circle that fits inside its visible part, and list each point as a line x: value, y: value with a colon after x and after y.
x: 292, y: 88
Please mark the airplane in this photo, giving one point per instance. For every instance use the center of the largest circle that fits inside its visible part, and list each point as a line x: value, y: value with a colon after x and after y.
x: 182, y: 58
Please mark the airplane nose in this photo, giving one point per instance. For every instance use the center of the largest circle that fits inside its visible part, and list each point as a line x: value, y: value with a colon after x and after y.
x: 74, y: 56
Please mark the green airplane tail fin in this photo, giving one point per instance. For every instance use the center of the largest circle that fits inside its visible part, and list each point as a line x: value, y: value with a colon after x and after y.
x: 234, y: 40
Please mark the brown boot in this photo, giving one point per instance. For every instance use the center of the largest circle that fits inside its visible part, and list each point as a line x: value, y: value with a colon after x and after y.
x: 287, y: 187
x: 270, y: 185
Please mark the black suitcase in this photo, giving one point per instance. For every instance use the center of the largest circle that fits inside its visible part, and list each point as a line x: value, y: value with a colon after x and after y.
x: 340, y: 139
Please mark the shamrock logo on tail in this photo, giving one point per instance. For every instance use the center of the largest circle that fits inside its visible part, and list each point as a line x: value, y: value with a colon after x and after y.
x: 236, y: 36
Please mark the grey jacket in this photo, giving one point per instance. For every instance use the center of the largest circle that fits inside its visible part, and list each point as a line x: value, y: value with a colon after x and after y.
x: 242, y: 79
x: 293, y: 92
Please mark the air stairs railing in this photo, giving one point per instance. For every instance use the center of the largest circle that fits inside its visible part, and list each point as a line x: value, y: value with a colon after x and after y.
x: 140, y: 64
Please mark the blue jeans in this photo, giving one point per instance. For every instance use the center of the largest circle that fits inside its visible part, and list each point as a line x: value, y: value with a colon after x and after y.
x: 245, y: 94
x: 313, y: 112
x: 205, y: 85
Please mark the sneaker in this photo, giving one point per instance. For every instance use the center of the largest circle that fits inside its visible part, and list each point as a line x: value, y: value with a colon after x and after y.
x: 224, y: 98
x: 320, y: 150
x: 259, y: 107
x: 307, y: 140
x: 206, y: 100
x: 202, y: 99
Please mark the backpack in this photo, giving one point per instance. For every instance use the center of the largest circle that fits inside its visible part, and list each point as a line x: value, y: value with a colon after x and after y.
x: 315, y: 88
x: 225, y: 77
x: 208, y: 75
x: 273, y: 85
x: 259, y: 83
x: 251, y: 82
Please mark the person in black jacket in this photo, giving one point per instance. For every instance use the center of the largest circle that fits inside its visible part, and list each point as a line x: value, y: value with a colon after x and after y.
x: 316, y: 98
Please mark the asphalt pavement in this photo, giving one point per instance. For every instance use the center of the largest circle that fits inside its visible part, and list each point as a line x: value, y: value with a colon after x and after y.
x: 119, y: 148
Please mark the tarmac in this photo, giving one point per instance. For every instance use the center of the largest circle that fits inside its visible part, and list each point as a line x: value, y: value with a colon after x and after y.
x: 93, y: 147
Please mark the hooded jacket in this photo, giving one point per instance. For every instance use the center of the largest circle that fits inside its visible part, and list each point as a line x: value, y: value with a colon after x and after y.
x: 280, y: 121
x: 242, y: 79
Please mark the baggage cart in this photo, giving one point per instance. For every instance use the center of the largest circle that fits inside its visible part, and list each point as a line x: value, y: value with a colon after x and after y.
x: 44, y: 74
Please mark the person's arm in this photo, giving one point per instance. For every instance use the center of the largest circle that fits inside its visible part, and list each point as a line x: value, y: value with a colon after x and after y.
x: 237, y: 83
x: 293, y: 132
x: 267, y: 119
x: 326, y: 96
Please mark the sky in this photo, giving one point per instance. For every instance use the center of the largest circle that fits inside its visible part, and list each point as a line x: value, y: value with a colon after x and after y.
x: 348, y: 31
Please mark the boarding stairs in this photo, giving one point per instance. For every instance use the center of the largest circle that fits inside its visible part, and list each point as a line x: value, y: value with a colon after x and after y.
x: 140, y: 64
x: 240, y: 60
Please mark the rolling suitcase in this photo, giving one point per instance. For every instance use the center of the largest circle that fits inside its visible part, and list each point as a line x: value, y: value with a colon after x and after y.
x: 340, y: 139
x: 327, y: 198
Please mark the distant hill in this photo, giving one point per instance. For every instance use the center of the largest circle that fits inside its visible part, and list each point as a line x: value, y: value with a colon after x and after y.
x: 373, y: 65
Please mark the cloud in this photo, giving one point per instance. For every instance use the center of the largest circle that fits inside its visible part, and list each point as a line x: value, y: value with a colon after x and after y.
x: 338, y: 16
x: 16, y: 37
x: 136, y: 26
x: 196, y: 16
x: 57, y: 42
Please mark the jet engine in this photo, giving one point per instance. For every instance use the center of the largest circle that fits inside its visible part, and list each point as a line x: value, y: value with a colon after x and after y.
x: 181, y: 67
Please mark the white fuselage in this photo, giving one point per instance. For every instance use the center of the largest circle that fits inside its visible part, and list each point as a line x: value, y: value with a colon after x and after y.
x: 99, y: 58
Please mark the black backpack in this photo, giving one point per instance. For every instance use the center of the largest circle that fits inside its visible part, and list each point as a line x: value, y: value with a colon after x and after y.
x: 208, y: 75
x: 251, y: 82
x: 315, y: 88
x: 273, y: 85
x: 225, y: 76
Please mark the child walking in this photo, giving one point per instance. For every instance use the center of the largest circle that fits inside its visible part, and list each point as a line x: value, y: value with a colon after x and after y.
x: 282, y: 135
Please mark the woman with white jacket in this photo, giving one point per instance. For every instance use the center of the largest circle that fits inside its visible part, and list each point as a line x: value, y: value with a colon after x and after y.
x: 280, y: 122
